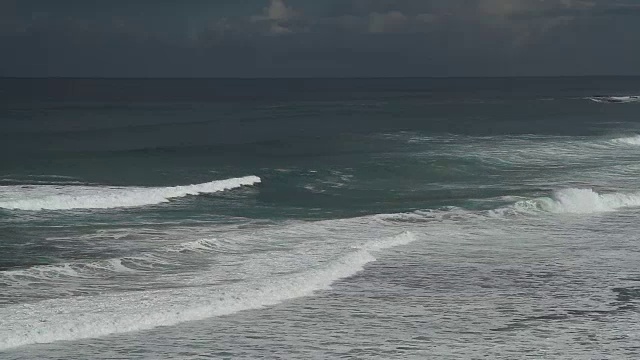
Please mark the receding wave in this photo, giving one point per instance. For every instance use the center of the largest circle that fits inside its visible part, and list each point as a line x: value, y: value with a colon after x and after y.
x: 50, y: 197
x: 615, y: 99
x: 579, y: 201
x: 96, y: 316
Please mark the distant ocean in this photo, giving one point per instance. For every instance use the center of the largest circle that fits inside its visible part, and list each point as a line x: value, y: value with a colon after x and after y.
x: 320, y: 218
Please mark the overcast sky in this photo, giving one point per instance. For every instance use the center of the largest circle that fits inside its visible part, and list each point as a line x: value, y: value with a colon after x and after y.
x: 273, y: 38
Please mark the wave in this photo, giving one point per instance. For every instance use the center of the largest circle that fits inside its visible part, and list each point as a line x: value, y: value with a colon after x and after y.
x: 19, y: 179
x: 615, y: 99
x: 49, y: 197
x: 86, y: 270
x: 579, y: 201
x: 194, y: 246
x: 142, y: 262
x: 404, y: 238
x: 12, y: 181
x: 567, y: 201
x: 96, y: 316
x: 630, y: 140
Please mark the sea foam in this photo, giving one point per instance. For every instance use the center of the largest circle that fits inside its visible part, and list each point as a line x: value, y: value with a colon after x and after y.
x: 95, y: 316
x: 630, y: 140
x: 615, y: 99
x: 144, y: 261
x: 47, y: 197
x: 583, y: 201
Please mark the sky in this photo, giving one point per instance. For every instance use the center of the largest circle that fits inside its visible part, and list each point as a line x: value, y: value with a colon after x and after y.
x: 318, y: 38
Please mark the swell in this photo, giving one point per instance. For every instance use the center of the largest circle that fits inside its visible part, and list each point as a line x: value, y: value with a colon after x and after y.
x: 539, y: 148
x: 47, y: 197
x: 113, y: 129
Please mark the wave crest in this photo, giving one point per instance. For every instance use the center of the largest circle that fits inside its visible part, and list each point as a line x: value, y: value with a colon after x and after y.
x: 630, y: 140
x: 615, y: 99
x: 47, y: 197
x: 579, y: 201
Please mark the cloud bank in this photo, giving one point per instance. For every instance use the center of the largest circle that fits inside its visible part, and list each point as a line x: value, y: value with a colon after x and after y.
x: 328, y: 38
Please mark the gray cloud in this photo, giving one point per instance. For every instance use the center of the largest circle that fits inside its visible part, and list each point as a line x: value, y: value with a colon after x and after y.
x: 333, y: 38
x: 519, y: 17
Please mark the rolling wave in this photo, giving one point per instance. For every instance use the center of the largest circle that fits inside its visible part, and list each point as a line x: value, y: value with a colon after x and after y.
x: 49, y: 197
x: 615, y: 99
x: 96, y: 316
x: 579, y: 201
x: 563, y: 201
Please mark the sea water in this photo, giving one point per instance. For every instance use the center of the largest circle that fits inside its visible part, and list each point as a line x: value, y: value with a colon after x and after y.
x: 319, y: 218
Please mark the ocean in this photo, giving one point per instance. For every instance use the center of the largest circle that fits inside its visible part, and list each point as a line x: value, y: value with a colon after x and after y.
x: 460, y: 218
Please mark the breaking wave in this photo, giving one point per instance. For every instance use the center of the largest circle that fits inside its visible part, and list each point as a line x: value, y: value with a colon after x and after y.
x: 93, y: 269
x: 579, y: 201
x: 96, y: 316
x: 615, y: 99
x: 49, y: 197
x: 630, y: 140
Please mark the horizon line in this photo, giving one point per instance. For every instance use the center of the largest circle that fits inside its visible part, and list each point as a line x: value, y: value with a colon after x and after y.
x: 300, y: 77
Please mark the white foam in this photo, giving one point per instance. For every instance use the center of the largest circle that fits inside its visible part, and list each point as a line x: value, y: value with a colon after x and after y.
x: 631, y: 140
x: 449, y: 214
x: 580, y: 201
x: 95, y: 316
x: 46, y: 273
x: 49, y: 197
x: 128, y: 264
x: 615, y: 99
x: 194, y: 246
x: 117, y: 266
x: 40, y: 273
x: 405, y: 238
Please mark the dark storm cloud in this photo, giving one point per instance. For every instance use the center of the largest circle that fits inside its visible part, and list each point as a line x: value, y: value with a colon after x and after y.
x: 319, y: 38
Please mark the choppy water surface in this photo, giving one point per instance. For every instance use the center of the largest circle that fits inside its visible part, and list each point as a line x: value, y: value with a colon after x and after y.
x: 398, y: 218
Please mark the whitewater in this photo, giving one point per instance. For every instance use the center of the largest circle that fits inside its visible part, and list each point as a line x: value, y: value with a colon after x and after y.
x: 52, y: 197
x: 85, y: 317
x: 314, y: 219
x: 96, y: 315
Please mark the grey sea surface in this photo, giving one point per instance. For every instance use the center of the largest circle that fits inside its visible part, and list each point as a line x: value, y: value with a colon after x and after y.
x: 320, y: 218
